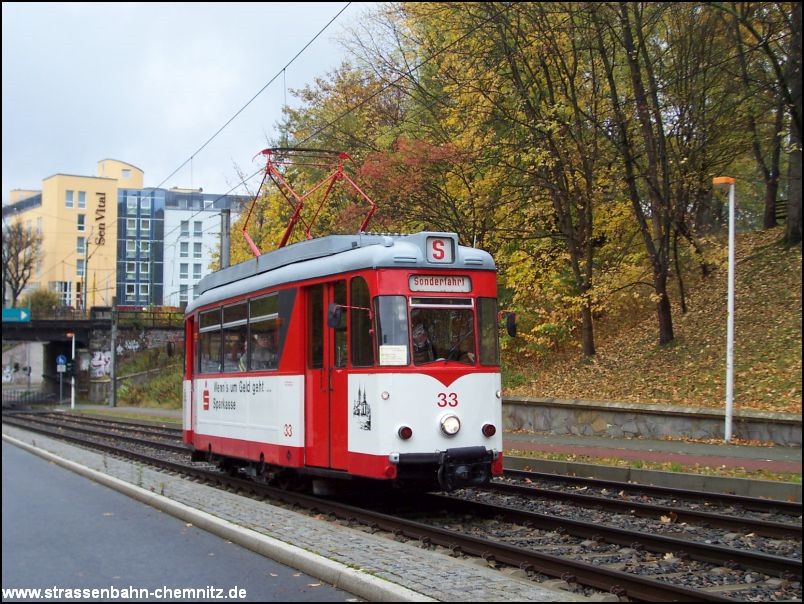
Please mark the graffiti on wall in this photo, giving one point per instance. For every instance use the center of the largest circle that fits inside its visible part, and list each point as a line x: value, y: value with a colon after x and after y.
x: 101, y: 364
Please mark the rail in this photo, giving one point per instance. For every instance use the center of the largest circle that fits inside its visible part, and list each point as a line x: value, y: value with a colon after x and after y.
x: 154, y: 318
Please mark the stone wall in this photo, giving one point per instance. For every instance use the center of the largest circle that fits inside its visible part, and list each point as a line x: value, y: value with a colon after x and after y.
x: 616, y: 420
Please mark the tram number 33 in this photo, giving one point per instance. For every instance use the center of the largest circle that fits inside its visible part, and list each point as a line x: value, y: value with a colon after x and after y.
x: 288, y: 430
x: 447, y: 399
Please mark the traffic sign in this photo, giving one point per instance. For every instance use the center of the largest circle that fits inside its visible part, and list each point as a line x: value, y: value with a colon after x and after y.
x: 61, y: 360
x: 16, y: 315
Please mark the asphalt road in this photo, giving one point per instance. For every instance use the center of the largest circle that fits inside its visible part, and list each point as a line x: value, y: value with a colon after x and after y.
x: 62, y: 531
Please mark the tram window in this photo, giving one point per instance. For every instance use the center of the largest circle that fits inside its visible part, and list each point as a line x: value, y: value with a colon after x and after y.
x: 264, y: 345
x: 315, y: 327
x: 263, y: 307
x: 362, y: 349
x: 209, y: 351
x: 209, y: 342
x: 339, y: 292
x: 210, y: 318
x: 489, y: 335
x: 234, y: 348
x: 392, y: 330
x: 235, y: 332
x: 442, y: 333
x: 233, y: 313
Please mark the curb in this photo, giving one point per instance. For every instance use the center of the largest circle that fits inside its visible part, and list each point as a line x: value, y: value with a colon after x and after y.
x: 359, y: 583
x: 765, y: 489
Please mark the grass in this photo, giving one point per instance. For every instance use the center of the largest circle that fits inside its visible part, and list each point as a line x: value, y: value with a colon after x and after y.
x: 163, y: 391
x: 660, y: 467
x: 119, y: 414
x: 630, y: 366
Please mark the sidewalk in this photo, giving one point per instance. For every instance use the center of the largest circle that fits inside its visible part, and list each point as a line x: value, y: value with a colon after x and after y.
x: 750, y: 457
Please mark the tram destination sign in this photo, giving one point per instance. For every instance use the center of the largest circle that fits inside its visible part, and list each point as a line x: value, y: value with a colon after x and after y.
x: 440, y: 283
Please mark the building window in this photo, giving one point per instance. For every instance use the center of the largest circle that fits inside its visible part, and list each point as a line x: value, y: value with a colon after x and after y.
x: 79, y: 267
x: 39, y: 223
x: 131, y: 205
x: 144, y: 287
x: 82, y: 199
x: 82, y: 222
x: 144, y: 269
x: 184, y: 249
x: 145, y: 249
x: 183, y: 294
x: 197, y: 228
x: 131, y: 226
x: 131, y: 248
x: 68, y: 199
x: 64, y: 291
x: 196, y: 271
x: 145, y: 203
x: 131, y: 268
x: 145, y: 226
x: 185, y: 228
x: 131, y: 292
x: 196, y: 250
x: 183, y: 267
x: 125, y: 173
x: 81, y: 245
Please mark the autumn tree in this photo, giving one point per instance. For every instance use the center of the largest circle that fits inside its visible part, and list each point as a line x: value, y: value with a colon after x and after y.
x: 761, y: 101
x: 774, y: 30
x: 21, y: 252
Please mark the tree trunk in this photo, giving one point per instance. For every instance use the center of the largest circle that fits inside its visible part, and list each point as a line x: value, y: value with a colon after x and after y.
x: 769, y: 217
x: 792, y: 230
x: 681, y: 295
x: 587, y: 330
x: 663, y: 309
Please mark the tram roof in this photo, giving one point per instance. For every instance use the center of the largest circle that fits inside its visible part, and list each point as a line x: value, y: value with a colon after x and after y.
x: 332, y: 255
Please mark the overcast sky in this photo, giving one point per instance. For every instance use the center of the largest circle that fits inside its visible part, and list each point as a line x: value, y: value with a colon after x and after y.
x: 150, y: 83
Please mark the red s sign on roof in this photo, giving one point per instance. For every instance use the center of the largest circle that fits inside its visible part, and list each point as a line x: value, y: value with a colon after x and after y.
x: 440, y: 250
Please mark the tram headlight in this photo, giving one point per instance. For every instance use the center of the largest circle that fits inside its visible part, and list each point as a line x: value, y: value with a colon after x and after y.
x: 450, y: 424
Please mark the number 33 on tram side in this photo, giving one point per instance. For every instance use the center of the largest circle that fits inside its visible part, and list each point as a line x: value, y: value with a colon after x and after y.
x: 385, y: 362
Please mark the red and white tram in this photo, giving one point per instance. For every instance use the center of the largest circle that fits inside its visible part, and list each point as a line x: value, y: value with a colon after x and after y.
x: 384, y: 362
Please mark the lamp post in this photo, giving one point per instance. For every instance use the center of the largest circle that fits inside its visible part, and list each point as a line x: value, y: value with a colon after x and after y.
x: 72, y: 377
x: 84, y: 276
x: 722, y: 181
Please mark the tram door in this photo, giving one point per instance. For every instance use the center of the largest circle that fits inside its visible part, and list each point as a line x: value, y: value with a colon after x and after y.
x: 326, y: 383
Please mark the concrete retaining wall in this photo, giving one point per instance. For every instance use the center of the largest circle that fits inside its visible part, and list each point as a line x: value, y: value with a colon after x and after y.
x: 616, y: 419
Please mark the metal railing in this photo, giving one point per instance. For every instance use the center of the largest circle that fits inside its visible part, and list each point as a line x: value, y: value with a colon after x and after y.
x: 155, y: 318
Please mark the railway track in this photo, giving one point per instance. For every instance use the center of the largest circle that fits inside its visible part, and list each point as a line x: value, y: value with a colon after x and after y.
x: 637, y: 564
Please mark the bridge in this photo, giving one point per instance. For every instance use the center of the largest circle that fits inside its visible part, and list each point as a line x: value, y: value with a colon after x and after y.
x: 91, y: 333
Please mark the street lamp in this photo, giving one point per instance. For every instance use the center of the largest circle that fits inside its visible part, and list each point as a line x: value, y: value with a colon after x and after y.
x: 71, y: 334
x: 718, y: 182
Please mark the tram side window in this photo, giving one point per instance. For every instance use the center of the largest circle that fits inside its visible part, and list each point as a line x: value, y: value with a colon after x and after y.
x: 362, y: 348
x: 263, y: 345
x: 340, y: 340
x: 315, y: 329
x: 235, y: 332
x: 392, y: 330
x: 209, y: 342
x: 264, y: 341
x: 489, y: 335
